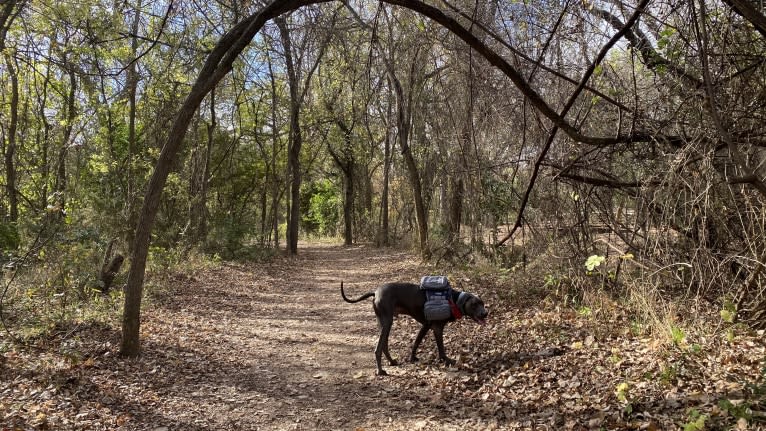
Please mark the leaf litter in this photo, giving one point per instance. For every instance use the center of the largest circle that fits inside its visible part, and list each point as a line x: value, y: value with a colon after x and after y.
x: 273, y: 347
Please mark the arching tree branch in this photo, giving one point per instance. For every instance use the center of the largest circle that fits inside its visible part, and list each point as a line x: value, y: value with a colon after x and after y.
x: 746, y: 10
x: 652, y: 59
x: 219, y: 63
x: 570, y: 103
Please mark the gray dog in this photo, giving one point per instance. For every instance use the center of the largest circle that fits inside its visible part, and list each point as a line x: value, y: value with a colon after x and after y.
x: 392, y: 299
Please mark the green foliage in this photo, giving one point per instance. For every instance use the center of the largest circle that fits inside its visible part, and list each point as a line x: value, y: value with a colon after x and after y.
x: 622, y: 392
x: 9, y: 238
x: 696, y: 421
x: 552, y: 281
x: 677, y: 335
x: 668, y: 374
x: 728, y: 312
x: 585, y: 311
x: 739, y: 409
x: 669, y: 45
x: 161, y: 258
x: 228, y: 237
x: 498, y: 197
x: 322, y: 206
x: 59, y: 283
x: 636, y: 328
x: 593, y: 262
x: 615, y: 357
x: 233, y: 248
x: 730, y: 335
x: 666, y: 36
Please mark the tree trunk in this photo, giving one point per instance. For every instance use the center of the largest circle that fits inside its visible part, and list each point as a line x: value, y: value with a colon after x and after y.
x: 275, y: 194
x: 384, y: 228
x: 403, y: 124
x: 61, y: 179
x: 347, y: 165
x: 366, y: 175
x: 199, y: 181
x: 348, y: 209
x: 131, y: 83
x: 748, y: 10
x: 295, y: 142
x: 10, y: 149
x: 263, y: 201
x: 455, y: 207
x: 7, y: 16
x: 384, y: 236
x: 42, y: 141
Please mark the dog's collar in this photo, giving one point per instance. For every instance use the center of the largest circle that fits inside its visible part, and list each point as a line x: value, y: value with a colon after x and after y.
x: 461, y: 300
x: 458, y: 309
x: 456, y: 313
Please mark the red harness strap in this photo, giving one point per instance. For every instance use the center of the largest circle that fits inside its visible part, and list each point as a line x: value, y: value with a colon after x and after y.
x: 455, y: 310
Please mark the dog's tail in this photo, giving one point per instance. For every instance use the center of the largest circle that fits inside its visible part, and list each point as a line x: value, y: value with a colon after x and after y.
x: 351, y: 301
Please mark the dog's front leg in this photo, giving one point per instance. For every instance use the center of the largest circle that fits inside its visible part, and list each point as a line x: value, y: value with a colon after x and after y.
x: 439, y: 336
x: 421, y: 334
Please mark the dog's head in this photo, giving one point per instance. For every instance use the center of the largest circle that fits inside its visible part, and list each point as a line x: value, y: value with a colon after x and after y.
x: 473, y: 307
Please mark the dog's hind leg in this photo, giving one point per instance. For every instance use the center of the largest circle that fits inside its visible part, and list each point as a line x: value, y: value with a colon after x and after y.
x: 382, y: 347
x: 421, y: 334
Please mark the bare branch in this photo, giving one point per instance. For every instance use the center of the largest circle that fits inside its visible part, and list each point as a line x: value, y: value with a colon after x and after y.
x: 572, y: 98
x: 746, y: 10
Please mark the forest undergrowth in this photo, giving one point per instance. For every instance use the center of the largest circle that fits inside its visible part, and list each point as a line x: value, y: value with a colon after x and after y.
x: 271, y: 345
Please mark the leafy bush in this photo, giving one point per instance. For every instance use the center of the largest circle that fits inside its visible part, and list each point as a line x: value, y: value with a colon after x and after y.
x: 9, y: 239
x: 227, y: 238
x: 321, y: 208
x: 57, y: 284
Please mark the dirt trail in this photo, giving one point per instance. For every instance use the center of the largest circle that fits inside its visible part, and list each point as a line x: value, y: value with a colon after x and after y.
x: 257, y: 346
x: 274, y: 347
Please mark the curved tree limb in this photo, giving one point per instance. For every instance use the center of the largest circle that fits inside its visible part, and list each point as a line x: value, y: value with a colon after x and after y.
x: 538, y: 63
x: 746, y: 10
x: 572, y: 98
x: 649, y: 55
x: 220, y: 62
x: 7, y: 15
x: 535, y: 99
x: 735, y: 154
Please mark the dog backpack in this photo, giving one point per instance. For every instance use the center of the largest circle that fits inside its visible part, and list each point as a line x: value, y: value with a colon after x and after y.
x: 438, y: 293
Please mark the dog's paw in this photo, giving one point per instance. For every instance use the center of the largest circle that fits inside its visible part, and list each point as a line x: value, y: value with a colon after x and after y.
x: 449, y: 362
x: 414, y: 358
x: 382, y: 372
x: 393, y: 362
